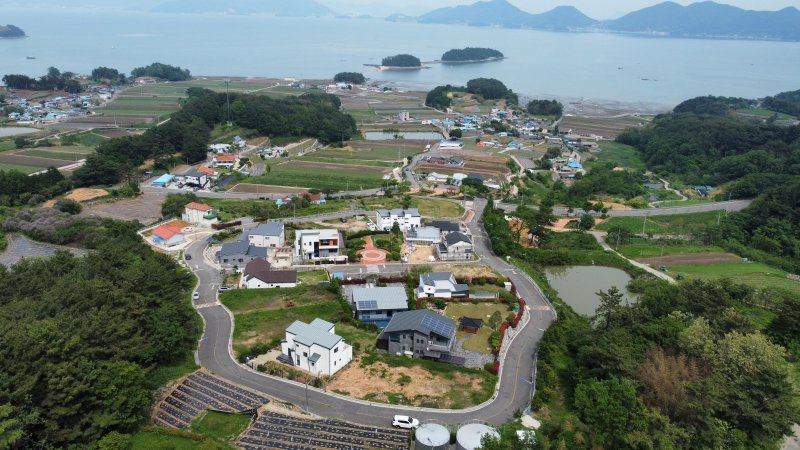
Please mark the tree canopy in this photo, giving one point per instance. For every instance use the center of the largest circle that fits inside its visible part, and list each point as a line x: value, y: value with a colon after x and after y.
x: 162, y: 71
x: 471, y: 54
x: 712, y: 105
x: 53, y: 80
x: 545, y: 108
x: 80, y: 338
x: 402, y: 60
x: 491, y: 89
x: 350, y: 77
x: 109, y: 75
x: 440, y: 97
x: 785, y: 102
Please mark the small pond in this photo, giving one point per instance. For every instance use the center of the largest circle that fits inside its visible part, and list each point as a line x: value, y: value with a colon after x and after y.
x: 15, y: 131
x: 408, y: 135
x: 578, y: 285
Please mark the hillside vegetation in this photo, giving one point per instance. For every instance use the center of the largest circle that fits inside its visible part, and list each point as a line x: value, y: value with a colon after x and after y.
x: 471, y: 54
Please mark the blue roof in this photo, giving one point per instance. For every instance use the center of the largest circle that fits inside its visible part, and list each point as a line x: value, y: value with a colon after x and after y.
x: 163, y: 179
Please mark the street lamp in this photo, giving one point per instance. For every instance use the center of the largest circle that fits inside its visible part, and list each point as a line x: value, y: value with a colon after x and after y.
x: 307, y: 383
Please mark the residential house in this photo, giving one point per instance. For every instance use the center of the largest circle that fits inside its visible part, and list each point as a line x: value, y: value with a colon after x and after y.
x: 209, y: 172
x: 315, y: 245
x: 441, y: 285
x: 199, y: 214
x: 258, y: 274
x: 407, y: 219
x: 424, y: 235
x: 420, y: 333
x: 270, y: 234
x: 317, y: 199
x: 444, y: 226
x: 455, y: 161
x: 196, y: 179
x: 455, y: 246
x: 239, y: 254
x: 168, y: 235
x: 226, y: 161
x: 315, y: 347
x: 378, y: 304
x: 436, y: 177
x: 219, y: 148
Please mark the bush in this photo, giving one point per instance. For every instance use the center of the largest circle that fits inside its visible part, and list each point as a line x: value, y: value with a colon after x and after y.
x: 68, y: 206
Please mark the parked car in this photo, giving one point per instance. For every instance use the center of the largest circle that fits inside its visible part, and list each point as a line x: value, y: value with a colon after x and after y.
x: 405, y: 422
x: 196, y: 296
x: 224, y: 288
x: 188, y: 257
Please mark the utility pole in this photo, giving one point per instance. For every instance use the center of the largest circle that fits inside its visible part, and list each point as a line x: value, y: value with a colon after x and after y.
x: 644, y: 225
x: 228, y: 98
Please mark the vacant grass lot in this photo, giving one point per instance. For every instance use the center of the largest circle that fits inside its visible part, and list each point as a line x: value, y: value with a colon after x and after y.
x: 337, y: 177
x: 675, y: 224
x: 478, y: 342
x: 157, y: 439
x: 640, y: 248
x: 221, y: 426
x: 753, y: 274
x: 428, y: 207
x: 618, y: 154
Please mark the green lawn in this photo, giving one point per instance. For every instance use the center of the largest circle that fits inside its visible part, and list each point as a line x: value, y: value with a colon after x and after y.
x: 678, y: 223
x: 221, y: 426
x: 753, y: 274
x: 157, y: 439
x: 379, y: 154
x: 312, y: 277
x: 338, y: 178
x: 618, y: 154
x: 478, y: 342
x: 24, y: 169
x: 640, y: 248
x: 353, y: 161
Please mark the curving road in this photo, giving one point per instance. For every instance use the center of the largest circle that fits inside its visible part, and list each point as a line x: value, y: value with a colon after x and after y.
x: 729, y: 206
x: 214, y: 353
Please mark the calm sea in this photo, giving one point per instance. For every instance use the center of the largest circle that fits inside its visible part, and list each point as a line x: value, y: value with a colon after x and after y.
x: 572, y: 65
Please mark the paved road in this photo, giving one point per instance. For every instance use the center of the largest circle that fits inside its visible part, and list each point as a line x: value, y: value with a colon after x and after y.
x: 515, y: 386
x: 731, y: 206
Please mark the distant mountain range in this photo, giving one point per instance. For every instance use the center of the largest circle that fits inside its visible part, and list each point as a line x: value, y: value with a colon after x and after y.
x: 704, y: 20
x: 295, y: 8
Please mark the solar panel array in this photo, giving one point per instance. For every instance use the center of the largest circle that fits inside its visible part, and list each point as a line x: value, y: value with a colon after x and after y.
x: 438, y: 324
x: 368, y: 304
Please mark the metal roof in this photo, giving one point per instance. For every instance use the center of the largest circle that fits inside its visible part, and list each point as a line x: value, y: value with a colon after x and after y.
x: 367, y: 299
x: 424, y: 321
x: 242, y: 248
x: 268, y: 229
x: 313, y: 334
x: 456, y: 237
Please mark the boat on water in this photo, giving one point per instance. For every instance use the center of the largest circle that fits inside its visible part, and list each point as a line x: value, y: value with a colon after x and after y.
x: 30, y: 57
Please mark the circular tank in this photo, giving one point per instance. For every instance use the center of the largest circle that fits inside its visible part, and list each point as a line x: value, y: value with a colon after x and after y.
x: 432, y: 436
x: 469, y: 436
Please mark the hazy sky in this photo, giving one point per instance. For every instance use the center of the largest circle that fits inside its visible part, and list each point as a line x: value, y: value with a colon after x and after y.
x: 607, y: 9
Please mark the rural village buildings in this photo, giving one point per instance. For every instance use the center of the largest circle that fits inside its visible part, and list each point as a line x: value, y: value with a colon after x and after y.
x: 407, y: 219
x: 315, y: 347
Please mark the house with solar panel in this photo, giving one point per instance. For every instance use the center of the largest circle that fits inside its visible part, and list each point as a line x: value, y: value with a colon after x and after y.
x: 378, y: 304
x: 421, y: 333
x: 315, y: 347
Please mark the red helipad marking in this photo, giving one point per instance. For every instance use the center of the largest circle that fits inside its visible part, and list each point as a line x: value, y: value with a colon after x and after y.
x: 370, y: 254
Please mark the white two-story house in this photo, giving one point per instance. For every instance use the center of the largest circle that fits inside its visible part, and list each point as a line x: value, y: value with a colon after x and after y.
x: 441, y: 285
x: 269, y: 235
x: 199, y: 214
x: 407, y: 219
x: 315, y: 245
x: 315, y: 347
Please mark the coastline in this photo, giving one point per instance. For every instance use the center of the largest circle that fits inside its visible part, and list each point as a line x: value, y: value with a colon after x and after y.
x: 396, y: 68
x: 469, y: 61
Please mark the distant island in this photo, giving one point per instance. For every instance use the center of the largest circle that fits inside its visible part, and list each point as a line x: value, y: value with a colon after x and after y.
x: 707, y: 20
x: 11, y: 31
x: 399, y: 62
x: 471, y: 55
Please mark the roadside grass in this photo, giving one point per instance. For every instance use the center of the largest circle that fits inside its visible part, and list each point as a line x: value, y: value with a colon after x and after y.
x: 261, y: 300
x: 23, y: 169
x: 153, y: 438
x: 757, y: 275
x: 478, y: 342
x: 221, y: 426
x: 672, y: 224
x: 618, y: 154
x: 641, y: 248
x: 312, y: 277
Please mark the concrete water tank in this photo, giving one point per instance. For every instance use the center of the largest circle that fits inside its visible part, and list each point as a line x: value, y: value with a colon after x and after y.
x: 469, y: 436
x: 432, y: 436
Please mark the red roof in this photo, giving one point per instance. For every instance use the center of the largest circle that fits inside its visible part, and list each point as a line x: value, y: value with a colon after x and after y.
x: 230, y: 158
x: 198, y: 206
x: 166, y: 231
x: 206, y: 170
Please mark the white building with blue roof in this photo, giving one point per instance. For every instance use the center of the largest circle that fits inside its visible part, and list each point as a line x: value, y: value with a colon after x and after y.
x: 315, y: 347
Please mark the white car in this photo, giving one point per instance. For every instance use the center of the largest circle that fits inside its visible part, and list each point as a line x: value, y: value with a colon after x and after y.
x: 405, y: 422
x: 196, y: 296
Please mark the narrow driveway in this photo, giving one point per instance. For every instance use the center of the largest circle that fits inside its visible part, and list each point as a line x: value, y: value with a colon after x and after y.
x: 214, y: 353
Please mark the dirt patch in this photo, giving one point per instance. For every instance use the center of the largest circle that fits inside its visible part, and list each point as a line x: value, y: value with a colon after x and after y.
x: 85, y: 194
x: 421, y: 254
x: 379, y: 381
x: 688, y: 259
x: 33, y: 161
x: 466, y: 271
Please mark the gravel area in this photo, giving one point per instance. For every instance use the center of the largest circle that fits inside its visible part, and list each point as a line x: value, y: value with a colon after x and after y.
x: 21, y: 247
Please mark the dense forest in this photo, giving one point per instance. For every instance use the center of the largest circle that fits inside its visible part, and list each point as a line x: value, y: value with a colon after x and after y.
x: 350, y: 77
x: 108, y: 75
x: 82, y: 340
x: 785, y: 102
x: 402, y: 60
x: 162, y: 71
x: 712, y: 105
x: 545, y: 108
x: 54, y: 80
x: 471, y: 54
x: 11, y: 31
x: 188, y: 131
x: 19, y: 189
x: 685, y: 367
x: 488, y: 88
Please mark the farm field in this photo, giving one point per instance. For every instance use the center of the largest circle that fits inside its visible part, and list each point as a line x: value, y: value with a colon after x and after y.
x: 21, y: 168
x: 36, y: 162
x: 757, y: 275
x: 319, y: 175
x: 643, y: 249
x: 618, y: 154
x: 428, y: 207
x: 675, y: 224
x: 476, y: 342
x: 607, y: 127
x: 70, y: 153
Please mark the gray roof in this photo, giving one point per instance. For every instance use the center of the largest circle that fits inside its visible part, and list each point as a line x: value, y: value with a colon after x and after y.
x: 413, y: 212
x: 195, y: 174
x: 242, y: 248
x: 456, y: 237
x: 424, y: 321
x: 313, y: 334
x: 314, y: 358
x: 426, y: 234
x: 268, y: 229
x: 370, y: 299
x: 445, y: 226
x: 430, y: 277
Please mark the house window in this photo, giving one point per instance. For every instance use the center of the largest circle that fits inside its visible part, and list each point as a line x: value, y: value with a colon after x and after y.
x: 336, y: 350
x: 305, y: 354
x: 394, y: 338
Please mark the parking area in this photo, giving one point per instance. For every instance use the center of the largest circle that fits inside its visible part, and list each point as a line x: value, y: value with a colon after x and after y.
x: 20, y: 247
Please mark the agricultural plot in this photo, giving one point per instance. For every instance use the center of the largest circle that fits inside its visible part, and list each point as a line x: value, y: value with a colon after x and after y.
x: 322, y: 175
x: 620, y: 155
x: 21, y: 161
x: 675, y: 224
x: 757, y: 275
x: 19, y: 167
x: 607, y: 127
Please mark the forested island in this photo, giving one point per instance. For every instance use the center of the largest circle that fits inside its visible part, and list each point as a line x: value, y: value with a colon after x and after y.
x: 163, y: 71
x: 488, y: 88
x: 471, y: 55
x: 350, y: 77
x: 402, y: 61
x: 10, y: 32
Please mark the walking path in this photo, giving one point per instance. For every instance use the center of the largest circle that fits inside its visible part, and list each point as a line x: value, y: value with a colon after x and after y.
x: 601, y: 239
